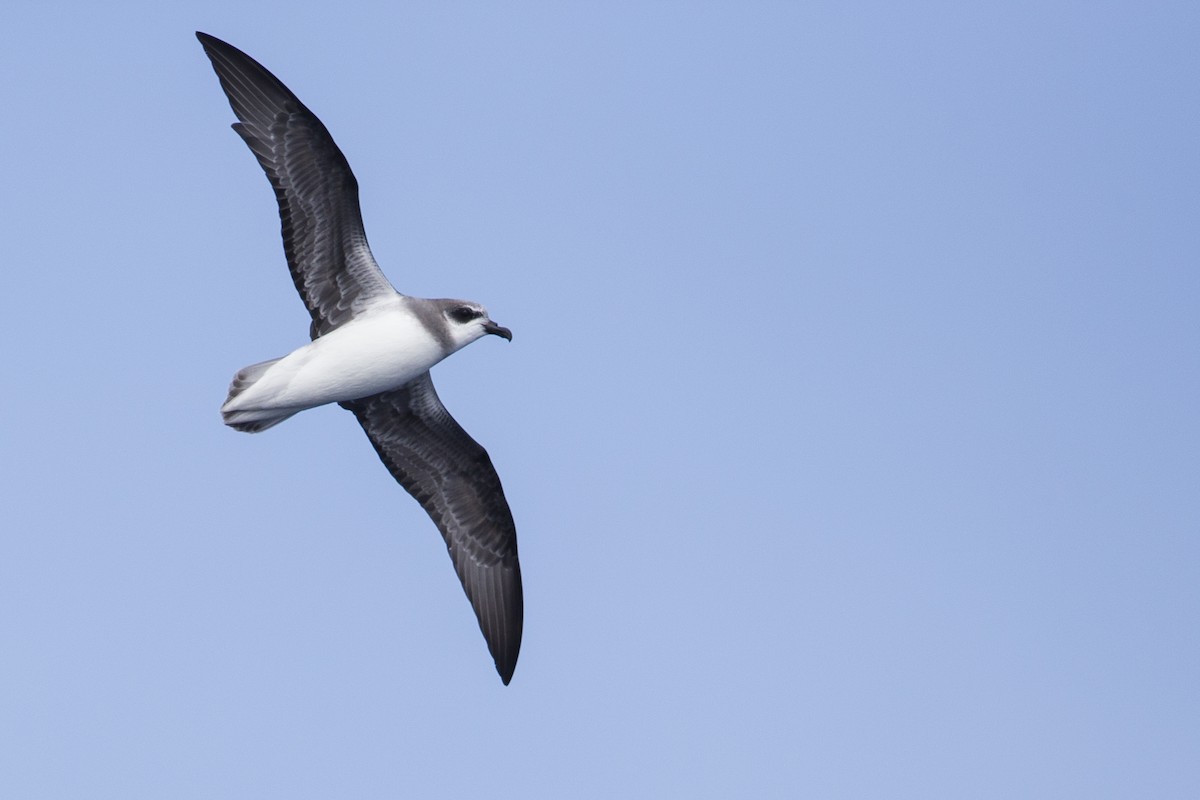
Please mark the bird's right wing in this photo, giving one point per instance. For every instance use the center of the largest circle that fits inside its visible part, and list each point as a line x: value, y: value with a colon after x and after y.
x: 453, y: 479
x: 323, y: 235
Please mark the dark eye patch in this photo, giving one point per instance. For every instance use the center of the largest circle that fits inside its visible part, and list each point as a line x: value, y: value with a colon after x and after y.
x: 464, y: 314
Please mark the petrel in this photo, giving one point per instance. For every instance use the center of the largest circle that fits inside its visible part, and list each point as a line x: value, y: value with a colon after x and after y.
x: 371, y: 348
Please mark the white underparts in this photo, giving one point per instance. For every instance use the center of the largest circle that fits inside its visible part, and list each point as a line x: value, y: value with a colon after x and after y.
x: 373, y: 353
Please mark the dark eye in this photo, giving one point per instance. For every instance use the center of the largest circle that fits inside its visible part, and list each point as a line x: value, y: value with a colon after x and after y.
x: 464, y: 314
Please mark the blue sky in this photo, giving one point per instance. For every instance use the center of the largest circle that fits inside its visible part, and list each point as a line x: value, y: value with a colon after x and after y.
x: 850, y: 422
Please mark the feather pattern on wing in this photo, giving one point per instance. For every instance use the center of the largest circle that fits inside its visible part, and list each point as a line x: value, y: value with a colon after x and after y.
x: 323, y: 235
x: 453, y: 479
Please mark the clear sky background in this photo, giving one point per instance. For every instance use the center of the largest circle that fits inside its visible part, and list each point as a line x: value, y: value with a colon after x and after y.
x: 850, y: 422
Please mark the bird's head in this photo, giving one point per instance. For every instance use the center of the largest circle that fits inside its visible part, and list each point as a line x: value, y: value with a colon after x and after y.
x: 469, y: 321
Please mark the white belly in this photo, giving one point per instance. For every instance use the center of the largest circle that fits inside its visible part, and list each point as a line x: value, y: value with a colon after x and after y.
x: 374, y: 353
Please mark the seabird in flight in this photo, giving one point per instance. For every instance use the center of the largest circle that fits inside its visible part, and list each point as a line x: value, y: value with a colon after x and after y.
x: 371, y: 348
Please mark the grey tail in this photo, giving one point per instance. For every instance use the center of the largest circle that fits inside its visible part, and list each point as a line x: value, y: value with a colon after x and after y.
x: 252, y: 420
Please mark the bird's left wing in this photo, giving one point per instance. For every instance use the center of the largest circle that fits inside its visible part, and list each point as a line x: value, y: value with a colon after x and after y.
x: 453, y: 479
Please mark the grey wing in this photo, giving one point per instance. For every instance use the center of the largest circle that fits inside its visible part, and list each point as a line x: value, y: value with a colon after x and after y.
x: 453, y: 479
x: 323, y: 235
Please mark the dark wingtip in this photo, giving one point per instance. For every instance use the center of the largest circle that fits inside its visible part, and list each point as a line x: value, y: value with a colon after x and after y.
x: 504, y: 641
x: 213, y: 44
x: 506, y: 669
x: 504, y: 656
x: 210, y: 43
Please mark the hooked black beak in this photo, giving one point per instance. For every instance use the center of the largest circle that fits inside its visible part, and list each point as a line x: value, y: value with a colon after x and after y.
x: 498, y: 330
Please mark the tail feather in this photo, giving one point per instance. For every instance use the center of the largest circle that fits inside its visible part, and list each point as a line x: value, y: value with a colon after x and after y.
x: 248, y: 376
x: 255, y: 419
